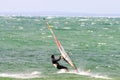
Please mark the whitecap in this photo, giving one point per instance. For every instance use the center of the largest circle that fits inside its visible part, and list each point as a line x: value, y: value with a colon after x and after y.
x: 100, y: 76
x: 86, y: 73
x: 66, y: 28
x: 43, y: 33
x: 34, y: 74
x: 20, y: 27
x: 93, y: 23
x: 101, y: 43
x: 83, y: 19
x: 50, y: 17
x: 105, y: 28
x: 49, y: 36
x: 90, y: 31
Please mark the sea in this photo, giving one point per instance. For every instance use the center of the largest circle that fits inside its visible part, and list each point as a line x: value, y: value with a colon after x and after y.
x: 26, y: 45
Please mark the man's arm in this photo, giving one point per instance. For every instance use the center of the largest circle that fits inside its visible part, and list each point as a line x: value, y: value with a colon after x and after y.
x: 59, y: 58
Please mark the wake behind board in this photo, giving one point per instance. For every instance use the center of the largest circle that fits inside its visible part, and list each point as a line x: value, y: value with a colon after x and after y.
x: 85, y: 73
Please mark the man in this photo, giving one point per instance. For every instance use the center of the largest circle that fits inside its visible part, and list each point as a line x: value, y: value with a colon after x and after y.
x: 56, y: 64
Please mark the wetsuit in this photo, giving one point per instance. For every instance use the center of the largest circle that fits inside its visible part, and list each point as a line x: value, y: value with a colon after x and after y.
x: 57, y: 65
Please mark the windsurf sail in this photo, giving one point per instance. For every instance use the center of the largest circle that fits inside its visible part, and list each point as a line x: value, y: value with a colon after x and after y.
x: 61, y: 49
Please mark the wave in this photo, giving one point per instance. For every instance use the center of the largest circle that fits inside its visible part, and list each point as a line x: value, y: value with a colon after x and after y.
x: 85, y: 73
x: 66, y: 28
x: 34, y: 74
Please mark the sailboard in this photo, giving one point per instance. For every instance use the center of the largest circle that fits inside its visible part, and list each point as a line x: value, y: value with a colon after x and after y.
x: 61, y: 49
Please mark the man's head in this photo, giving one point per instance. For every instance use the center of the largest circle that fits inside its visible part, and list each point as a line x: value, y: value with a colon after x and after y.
x: 52, y: 56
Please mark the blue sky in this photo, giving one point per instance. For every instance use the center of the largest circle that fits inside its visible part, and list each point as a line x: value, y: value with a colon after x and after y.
x: 74, y: 6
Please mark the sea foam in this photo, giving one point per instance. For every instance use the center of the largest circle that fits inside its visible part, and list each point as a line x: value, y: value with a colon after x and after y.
x: 34, y: 74
x: 85, y: 73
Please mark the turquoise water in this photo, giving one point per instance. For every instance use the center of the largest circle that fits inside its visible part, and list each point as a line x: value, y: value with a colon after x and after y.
x: 92, y: 42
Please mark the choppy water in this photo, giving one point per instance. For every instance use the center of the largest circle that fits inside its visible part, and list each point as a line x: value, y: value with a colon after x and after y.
x: 26, y: 45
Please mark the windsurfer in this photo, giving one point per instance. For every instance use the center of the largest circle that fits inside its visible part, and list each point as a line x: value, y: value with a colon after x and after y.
x: 56, y: 64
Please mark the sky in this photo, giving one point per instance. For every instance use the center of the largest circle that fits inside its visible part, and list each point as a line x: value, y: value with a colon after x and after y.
x: 69, y: 6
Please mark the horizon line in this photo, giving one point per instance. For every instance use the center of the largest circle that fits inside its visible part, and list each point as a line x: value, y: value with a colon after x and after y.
x: 56, y: 13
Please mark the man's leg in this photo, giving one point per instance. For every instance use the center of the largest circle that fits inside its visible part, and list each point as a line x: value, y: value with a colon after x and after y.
x: 62, y: 67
